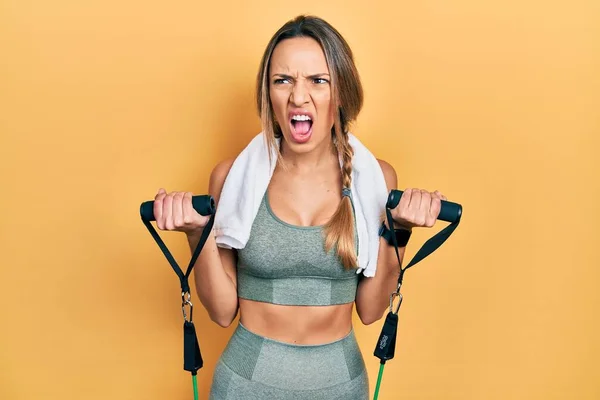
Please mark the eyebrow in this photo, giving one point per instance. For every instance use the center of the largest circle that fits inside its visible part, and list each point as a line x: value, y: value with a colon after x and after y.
x: 310, y: 76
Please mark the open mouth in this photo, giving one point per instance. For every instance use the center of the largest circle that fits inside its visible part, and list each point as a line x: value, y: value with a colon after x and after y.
x: 301, y: 127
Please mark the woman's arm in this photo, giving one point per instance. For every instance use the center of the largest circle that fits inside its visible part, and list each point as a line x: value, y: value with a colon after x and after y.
x: 215, y: 269
x: 373, y: 294
x: 417, y: 208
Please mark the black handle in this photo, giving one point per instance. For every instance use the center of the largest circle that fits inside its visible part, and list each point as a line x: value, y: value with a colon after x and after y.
x: 204, y: 205
x: 450, y: 212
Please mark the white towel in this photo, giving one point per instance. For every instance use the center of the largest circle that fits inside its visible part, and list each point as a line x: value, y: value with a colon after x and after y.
x: 249, y: 178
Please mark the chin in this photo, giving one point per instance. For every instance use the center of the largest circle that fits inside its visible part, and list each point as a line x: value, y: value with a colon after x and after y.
x: 301, y: 147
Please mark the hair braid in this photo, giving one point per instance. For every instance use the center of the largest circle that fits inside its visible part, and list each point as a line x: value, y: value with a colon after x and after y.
x: 340, y: 229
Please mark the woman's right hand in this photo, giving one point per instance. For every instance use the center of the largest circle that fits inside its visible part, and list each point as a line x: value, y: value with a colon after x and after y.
x: 174, y: 212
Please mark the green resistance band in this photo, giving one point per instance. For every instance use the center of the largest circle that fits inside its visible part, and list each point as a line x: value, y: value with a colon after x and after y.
x: 386, y: 344
x: 195, y: 384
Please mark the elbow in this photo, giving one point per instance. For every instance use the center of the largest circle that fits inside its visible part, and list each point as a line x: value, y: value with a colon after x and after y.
x: 368, y: 321
x: 224, y: 320
x: 368, y: 318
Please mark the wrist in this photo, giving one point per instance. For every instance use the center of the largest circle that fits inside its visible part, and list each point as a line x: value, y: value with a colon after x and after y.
x: 402, y: 234
x: 194, y: 233
x: 398, y: 225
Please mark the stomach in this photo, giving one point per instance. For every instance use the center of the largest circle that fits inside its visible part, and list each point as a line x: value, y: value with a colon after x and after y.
x: 300, y: 325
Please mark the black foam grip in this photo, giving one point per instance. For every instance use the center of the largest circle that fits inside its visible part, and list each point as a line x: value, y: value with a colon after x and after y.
x: 204, y: 205
x: 450, y: 212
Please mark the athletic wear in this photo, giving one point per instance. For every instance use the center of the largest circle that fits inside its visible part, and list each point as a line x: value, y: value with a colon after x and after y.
x: 255, y: 368
x: 287, y: 264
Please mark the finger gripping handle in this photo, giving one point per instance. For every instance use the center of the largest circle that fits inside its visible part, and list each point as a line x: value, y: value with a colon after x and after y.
x: 204, y: 205
x: 450, y: 212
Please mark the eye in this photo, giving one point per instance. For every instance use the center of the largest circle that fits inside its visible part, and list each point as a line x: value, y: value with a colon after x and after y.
x: 280, y: 81
x: 320, y: 81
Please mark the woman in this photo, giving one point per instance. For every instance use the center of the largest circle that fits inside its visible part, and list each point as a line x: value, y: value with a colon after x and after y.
x: 298, y: 342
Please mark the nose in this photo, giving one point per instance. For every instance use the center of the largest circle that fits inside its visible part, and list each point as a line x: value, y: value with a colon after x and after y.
x: 300, y: 94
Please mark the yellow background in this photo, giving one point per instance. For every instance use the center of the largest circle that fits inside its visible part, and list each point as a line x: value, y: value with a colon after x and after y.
x: 495, y: 103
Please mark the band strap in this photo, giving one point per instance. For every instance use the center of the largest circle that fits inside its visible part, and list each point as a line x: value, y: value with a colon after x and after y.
x: 386, y: 344
x: 387, y: 339
x: 192, y: 358
x: 429, y: 247
x: 183, y: 277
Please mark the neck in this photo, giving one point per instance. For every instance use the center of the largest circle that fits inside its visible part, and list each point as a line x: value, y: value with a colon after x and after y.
x: 322, y: 156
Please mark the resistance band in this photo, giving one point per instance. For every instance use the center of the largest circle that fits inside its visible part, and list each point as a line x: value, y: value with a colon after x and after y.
x: 204, y: 205
x: 386, y: 344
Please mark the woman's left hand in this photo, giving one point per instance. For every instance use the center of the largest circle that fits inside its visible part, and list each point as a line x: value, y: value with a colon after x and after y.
x: 417, y: 208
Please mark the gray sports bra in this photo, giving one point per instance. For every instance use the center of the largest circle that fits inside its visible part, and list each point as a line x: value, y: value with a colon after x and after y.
x: 287, y: 264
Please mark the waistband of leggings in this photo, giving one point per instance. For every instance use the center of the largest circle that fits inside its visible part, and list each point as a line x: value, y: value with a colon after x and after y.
x: 245, y: 355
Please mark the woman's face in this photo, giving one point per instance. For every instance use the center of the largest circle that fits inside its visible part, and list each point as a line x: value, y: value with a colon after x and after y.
x: 300, y: 93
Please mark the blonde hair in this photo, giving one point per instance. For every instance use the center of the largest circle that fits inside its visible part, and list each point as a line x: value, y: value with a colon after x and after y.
x: 347, y: 98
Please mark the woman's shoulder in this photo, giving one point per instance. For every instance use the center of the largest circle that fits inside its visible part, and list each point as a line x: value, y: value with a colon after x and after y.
x: 218, y: 176
x: 222, y: 168
x: 389, y: 173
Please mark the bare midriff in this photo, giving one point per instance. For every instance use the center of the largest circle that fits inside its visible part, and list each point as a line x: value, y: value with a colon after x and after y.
x: 301, y: 325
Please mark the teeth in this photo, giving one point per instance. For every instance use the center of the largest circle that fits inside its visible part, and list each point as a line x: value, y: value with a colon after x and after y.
x: 301, y: 118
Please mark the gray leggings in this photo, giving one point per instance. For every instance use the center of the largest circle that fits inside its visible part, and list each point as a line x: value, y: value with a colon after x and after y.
x: 254, y: 367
